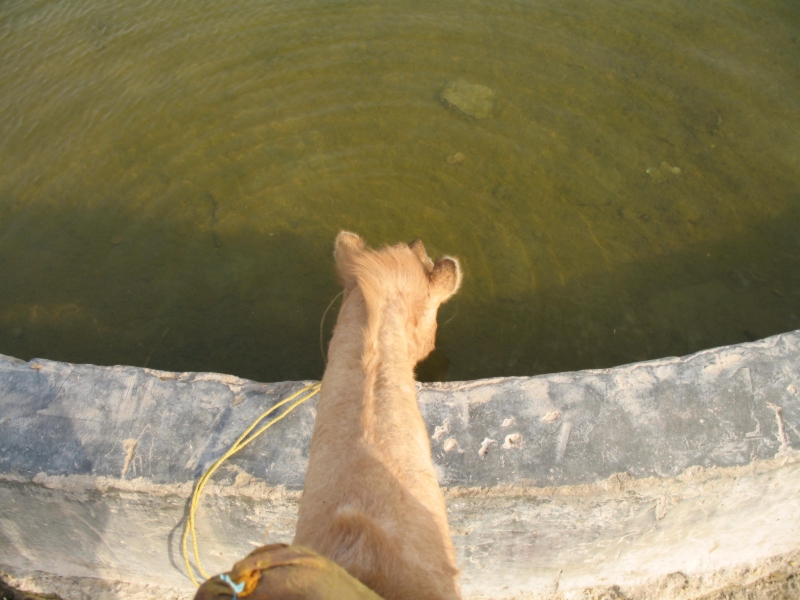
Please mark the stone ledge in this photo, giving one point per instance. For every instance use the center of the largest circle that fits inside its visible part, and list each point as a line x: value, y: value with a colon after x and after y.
x: 556, y: 485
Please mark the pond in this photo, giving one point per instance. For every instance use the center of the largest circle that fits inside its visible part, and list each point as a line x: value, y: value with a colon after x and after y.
x: 621, y: 180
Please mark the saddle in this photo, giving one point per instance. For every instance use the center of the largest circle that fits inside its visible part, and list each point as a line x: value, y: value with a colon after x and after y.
x: 283, y: 572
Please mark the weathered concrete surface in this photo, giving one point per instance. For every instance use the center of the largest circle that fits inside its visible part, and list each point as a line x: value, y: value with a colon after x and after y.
x: 667, y: 479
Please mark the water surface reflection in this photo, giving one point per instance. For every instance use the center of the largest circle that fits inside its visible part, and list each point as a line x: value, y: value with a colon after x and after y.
x: 174, y: 175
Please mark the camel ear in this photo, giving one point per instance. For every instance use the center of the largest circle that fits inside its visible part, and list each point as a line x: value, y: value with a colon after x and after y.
x: 418, y: 248
x: 445, y: 278
x: 345, y: 249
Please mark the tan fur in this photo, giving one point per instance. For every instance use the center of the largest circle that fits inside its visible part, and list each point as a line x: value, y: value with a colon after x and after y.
x: 371, y: 501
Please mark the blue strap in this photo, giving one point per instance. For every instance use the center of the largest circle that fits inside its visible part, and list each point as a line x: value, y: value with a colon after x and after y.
x: 237, y: 588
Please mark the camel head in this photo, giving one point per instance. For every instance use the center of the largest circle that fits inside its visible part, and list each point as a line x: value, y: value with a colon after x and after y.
x: 401, y: 281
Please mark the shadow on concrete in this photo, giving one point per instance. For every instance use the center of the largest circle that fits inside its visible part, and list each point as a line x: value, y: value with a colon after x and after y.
x: 41, y: 527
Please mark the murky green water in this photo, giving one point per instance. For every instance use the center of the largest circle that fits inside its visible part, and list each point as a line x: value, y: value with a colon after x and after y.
x: 174, y: 173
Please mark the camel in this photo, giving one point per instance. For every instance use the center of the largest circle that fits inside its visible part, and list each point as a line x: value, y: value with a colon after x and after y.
x: 371, y: 501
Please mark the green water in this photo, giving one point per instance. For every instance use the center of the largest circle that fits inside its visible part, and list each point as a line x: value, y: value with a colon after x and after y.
x: 173, y: 175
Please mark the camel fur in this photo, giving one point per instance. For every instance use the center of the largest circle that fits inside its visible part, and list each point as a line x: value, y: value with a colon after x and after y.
x: 371, y: 501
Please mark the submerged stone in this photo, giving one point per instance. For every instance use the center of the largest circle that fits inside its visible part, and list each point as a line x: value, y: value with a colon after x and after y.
x: 663, y: 173
x: 456, y: 158
x: 470, y: 98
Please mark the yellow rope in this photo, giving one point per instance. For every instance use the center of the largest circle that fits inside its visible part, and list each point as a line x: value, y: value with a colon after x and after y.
x: 322, y: 328
x: 237, y: 445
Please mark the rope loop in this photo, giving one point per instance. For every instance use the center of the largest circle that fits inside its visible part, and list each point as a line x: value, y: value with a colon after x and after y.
x: 243, y: 440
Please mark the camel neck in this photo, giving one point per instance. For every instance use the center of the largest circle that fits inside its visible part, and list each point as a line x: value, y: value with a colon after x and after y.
x: 388, y: 356
x: 370, y: 370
